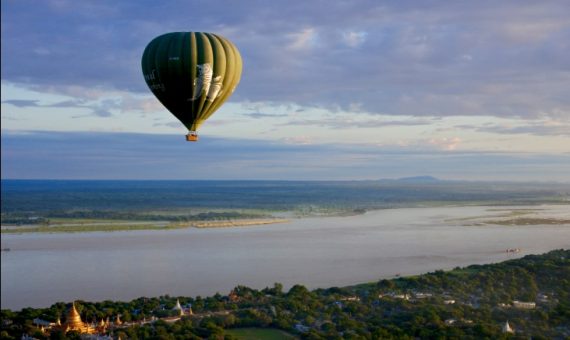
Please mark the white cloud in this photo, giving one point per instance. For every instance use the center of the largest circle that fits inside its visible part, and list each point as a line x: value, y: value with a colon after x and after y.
x: 537, y: 128
x: 299, y: 140
x: 446, y: 143
x: 100, y: 102
x: 107, y: 155
x: 303, y: 40
x: 41, y: 51
x: 354, y: 38
x: 532, y: 31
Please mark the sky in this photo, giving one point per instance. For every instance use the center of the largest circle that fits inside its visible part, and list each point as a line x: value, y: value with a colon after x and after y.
x: 330, y: 90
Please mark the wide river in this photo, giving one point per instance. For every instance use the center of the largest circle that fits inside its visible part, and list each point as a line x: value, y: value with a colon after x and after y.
x: 41, y: 269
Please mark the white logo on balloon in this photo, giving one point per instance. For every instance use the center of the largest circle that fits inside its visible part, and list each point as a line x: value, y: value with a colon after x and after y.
x: 203, y: 83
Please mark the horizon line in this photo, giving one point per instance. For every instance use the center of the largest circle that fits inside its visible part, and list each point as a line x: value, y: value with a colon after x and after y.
x: 407, y: 179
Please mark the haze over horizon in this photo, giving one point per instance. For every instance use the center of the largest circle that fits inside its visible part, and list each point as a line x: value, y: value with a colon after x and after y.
x: 334, y: 91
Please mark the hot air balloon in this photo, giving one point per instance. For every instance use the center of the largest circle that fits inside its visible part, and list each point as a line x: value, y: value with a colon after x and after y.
x: 192, y: 74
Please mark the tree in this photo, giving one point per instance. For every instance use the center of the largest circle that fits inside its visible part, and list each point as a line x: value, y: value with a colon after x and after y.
x: 386, y: 284
x: 277, y: 289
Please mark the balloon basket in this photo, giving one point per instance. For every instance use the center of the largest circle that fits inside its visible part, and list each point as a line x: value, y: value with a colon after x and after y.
x: 191, y: 137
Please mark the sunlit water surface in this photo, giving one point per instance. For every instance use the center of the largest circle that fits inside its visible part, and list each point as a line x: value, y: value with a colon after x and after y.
x: 41, y: 269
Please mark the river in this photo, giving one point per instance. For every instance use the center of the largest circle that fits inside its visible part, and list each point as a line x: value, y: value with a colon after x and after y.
x: 41, y: 269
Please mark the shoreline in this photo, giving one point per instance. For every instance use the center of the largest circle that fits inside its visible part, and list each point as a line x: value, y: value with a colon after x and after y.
x: 236, y: 223
x: 125, y: 226
x: 349, y: 286
x: 457, y: 300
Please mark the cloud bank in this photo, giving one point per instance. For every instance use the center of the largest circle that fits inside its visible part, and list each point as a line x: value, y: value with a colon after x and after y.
x: 73, y: 155
x: 504, y: 59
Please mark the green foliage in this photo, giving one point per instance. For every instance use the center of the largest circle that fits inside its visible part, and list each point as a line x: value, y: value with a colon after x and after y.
x: 258, y: 333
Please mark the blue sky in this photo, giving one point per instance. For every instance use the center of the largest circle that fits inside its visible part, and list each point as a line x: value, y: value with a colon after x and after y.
x: 331, y: 90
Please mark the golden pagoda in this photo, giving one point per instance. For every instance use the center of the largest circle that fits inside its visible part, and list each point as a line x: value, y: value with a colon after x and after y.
x: 101, y: 326
x: 73, y: 323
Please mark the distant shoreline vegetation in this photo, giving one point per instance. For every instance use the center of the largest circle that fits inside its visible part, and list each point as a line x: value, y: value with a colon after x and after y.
x: 81, y: 206
x: 44, y: 196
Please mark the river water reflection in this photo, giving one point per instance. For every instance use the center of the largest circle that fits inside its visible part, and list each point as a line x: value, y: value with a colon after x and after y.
x: 41, y: 269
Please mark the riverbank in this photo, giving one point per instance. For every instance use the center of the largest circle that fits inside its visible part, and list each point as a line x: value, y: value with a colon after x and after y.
x: 108, y: 226
x: 236, y: 223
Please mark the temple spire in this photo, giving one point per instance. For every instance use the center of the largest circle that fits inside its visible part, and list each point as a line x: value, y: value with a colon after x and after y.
x: 178, y: 307
x: 73, y: 317
x: 507, y: 328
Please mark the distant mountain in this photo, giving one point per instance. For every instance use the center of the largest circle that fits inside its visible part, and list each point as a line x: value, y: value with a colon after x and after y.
x: 419, y: 179
x: 414, y: 179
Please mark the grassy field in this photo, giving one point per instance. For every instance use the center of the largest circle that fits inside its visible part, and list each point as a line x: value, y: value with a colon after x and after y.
x: 260, y: 334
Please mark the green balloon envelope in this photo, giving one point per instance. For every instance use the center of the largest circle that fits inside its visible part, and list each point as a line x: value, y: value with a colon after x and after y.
x: 191, y: 73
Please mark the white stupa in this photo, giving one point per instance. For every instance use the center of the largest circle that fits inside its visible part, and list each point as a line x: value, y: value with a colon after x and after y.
x: 507, y: 328
x: 178, y: 307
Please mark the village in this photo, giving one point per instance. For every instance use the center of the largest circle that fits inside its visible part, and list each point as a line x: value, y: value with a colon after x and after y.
x: 109, y: 328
